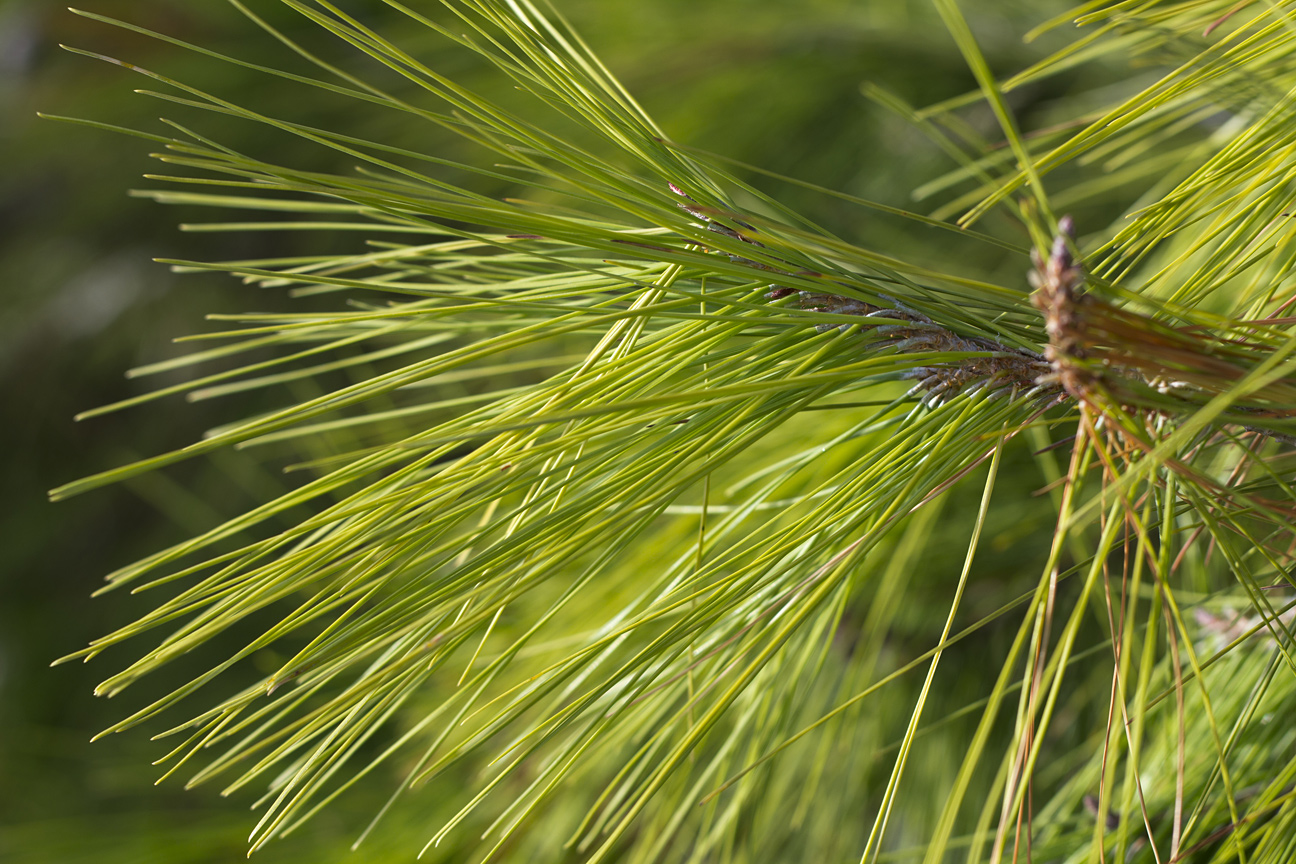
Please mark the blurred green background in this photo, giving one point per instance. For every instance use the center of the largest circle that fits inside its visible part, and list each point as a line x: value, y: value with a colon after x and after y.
x: 766, y: 82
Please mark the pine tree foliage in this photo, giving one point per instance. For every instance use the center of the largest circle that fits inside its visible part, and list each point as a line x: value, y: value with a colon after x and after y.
x: 604, y: 536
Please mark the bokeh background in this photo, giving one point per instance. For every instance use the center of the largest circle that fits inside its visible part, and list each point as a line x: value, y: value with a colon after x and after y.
x: 762, y: 81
